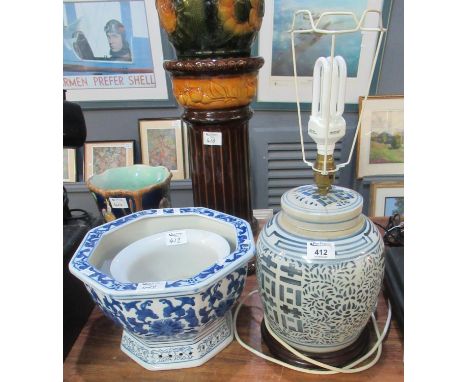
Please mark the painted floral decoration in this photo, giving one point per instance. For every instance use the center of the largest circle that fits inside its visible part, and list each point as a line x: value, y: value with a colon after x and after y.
x: 166, y: 327
x: 241, y: 16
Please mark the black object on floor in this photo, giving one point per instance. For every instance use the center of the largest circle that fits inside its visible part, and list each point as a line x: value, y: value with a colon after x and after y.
x: 77, y: 304
x: 394, y: 282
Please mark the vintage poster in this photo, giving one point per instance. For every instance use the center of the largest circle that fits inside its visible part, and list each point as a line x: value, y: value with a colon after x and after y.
x: 112, y: 51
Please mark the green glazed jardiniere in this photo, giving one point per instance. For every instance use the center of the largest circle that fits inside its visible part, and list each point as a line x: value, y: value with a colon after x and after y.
x: 121, y: 191
x: 211, y: 28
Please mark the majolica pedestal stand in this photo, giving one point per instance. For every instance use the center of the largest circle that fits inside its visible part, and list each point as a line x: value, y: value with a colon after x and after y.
x: 216, y: 94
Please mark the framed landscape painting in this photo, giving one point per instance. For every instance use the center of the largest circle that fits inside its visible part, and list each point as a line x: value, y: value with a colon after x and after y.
x: 387, y: 199
x: 381, y: 137
x: 162, y: 144
x: 103, y: 155
x: 113, y: 53
x: 276, y: 79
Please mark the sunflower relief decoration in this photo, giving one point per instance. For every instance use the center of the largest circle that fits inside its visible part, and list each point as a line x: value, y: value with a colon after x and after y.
x: 240, y: 16
x: 211, y: 28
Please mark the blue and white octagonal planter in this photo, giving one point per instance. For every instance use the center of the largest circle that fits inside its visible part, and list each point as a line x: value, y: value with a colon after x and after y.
x: 168, y: 324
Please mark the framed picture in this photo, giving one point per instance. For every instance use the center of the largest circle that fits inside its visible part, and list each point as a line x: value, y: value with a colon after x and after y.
x: 186, y: 150
x: 162, y: 144
x: 387, y: 199
x: 276, y: 87
x: 381, y: 136
x: 113, y: 53
x: 100, y: 156
x: 69, y: 165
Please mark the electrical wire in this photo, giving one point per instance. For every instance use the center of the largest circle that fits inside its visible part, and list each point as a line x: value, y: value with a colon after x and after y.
x: 394, y: 231
x: 84, y: 215
x: 330, y: 369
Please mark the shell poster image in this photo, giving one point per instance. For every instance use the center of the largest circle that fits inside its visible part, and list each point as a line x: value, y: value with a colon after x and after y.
x: 110, y: 47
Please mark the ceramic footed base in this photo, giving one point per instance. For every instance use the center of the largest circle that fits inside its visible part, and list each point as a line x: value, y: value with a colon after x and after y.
x: 339, y: 358
x: 179, y: 354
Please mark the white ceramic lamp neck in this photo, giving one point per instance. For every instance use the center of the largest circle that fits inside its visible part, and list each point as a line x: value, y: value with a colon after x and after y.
x: 307, y: 213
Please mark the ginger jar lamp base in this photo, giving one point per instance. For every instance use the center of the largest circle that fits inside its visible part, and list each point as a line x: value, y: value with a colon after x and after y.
x: 320, y: 268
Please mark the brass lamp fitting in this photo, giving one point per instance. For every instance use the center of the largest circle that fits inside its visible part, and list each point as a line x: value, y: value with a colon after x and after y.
x: 324, y: 182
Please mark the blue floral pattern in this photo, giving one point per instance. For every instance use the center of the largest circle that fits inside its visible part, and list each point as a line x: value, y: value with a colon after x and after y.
x: 166, y: 327
x: 173, y: 317
x: 80, y: 260
x: 173, y: 352
x: 164, y: 324
x: 319, y: 304
x: 218, y: 303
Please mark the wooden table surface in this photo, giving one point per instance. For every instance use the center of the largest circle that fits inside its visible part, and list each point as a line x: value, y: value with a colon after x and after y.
x: 96, y: 355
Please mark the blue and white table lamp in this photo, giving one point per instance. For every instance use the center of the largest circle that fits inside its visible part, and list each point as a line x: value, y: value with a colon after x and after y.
x: 320, y: 261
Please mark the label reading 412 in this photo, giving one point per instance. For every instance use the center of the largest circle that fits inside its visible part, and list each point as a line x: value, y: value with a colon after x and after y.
x: 320, y: 250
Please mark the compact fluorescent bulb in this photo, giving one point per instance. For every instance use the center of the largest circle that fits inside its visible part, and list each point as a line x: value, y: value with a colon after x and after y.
x: 328, y: 104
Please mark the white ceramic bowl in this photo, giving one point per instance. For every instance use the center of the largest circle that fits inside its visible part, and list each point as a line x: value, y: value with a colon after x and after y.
x: 183, y: 319
x: 158, y: 258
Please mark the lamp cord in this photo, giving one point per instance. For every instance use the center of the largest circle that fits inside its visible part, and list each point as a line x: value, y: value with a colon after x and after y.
x: 330, y: 369
x: 84, y: 215
x: 394, y: 232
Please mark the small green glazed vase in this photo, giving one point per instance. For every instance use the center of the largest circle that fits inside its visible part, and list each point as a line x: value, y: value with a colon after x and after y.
x: 211, y: 28
x: 121, y: 191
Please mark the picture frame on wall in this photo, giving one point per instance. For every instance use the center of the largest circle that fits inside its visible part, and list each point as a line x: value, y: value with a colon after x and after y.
x: 162, y: 144
x: 100, y: 156
x: 276, y: 89
x: 380, y: 148
x: 113, y: 53
x: 69, y: 165
x: 186, y: 150
x: 386, y: 199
